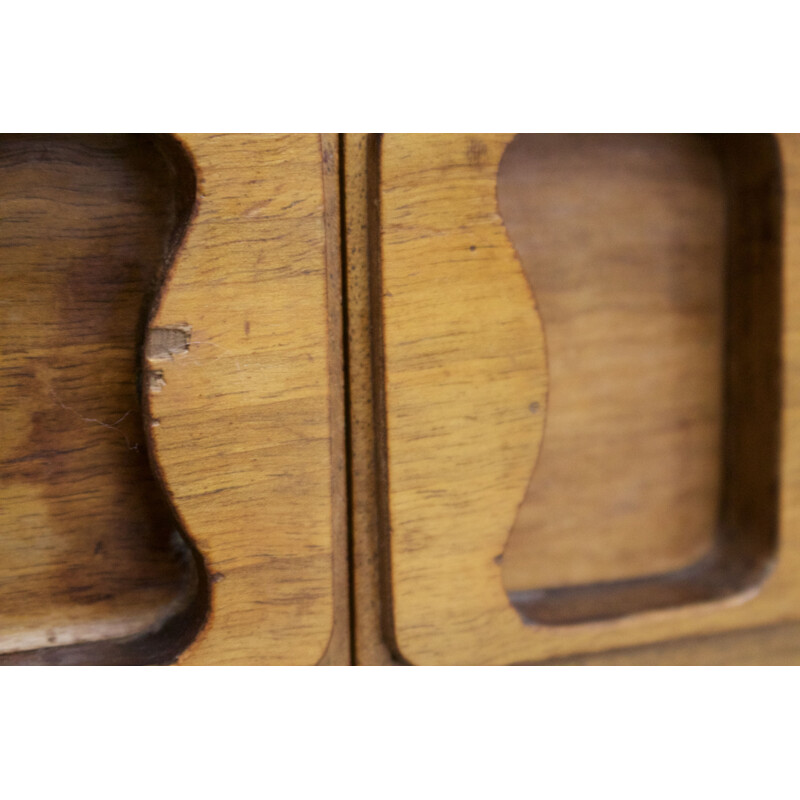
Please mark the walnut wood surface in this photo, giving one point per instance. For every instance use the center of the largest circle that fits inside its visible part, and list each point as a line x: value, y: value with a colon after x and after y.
x: 455, y: 479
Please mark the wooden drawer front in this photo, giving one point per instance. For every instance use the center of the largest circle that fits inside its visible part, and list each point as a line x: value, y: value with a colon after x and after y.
x: 571, y: 390
x: 177, y: 298
x: 582, y: 444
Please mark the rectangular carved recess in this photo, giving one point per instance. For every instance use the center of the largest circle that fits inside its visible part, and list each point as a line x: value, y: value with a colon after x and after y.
x: 655, y: 263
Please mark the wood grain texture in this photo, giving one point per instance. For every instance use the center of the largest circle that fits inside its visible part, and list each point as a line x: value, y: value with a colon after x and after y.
x: 459, y: 453
x: 90, y: 557
x: 771, y: 645
x: 465, y: 384
x: 245, y: 406
x: 206, y: 275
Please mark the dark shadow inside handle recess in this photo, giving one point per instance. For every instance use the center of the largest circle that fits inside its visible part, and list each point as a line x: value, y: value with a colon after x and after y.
x: 655, y: 261
x: 93, y: 567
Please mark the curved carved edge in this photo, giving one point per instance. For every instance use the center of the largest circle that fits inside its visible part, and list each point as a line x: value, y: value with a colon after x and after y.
x: 241, y: 386
x: 465, y: 390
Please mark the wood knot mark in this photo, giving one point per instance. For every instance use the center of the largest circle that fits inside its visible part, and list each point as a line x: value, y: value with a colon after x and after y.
x: 163, y: 344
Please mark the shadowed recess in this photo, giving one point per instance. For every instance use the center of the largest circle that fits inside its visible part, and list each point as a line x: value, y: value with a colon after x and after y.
x: 655, y: 263
x: 92, y: 566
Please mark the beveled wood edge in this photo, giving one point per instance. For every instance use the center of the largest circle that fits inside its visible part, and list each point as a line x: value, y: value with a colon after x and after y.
x: 338, y: 651
x: 371, y: 595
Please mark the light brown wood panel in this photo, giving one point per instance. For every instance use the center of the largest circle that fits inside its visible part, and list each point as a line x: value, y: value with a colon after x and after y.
x: 244, y: 398
x: 205, y: 272
x: 462, y: 352
x: 89, y: 551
